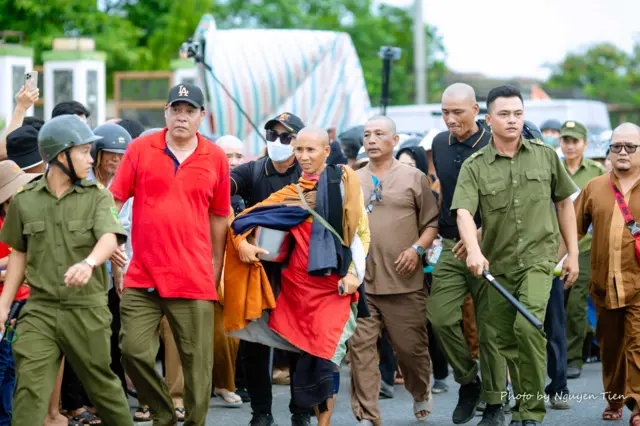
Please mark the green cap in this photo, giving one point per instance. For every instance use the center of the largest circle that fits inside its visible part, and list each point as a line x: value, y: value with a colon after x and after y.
x: 573, y: 129
x: 61, y: 133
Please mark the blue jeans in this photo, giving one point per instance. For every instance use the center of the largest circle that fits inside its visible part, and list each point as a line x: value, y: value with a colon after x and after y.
x: 7, y: 382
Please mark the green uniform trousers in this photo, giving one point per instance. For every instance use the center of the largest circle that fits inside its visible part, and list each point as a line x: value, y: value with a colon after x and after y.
x: 452, y: 281
x: 46, y: 332
x: 521, y: 343
x: 191, y: 322
x: 576, y: 310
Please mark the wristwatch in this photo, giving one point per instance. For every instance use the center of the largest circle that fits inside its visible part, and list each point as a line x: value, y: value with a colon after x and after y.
x: 418, y: 249
x: 90, y: 262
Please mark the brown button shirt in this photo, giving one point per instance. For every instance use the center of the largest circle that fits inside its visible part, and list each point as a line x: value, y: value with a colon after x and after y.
x: 405, y: 209
x: 615, y: 271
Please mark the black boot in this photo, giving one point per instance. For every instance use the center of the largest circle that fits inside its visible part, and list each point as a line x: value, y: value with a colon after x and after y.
x: 492, y: 416
x: 468, y: 398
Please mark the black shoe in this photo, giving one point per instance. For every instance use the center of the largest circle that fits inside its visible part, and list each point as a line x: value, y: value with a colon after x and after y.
x: 300, y: 420
x: 262, y: 420
x: 468, y: 398
x: 573, y: 372
x: 515, y: 423
x: 530, y: 423
x: 492, y: 416
x: 243, y: 393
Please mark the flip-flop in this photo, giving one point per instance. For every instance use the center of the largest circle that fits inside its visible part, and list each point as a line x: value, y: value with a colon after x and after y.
x: 611, y: 414
x: 230, y: 399
x: 140, y: 415
x: 87, y: 417
x: 180, y: 414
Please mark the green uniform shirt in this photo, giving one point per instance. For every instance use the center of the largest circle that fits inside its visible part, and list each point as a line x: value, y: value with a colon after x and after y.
x: 57, y: 233
x: 588, y: 170
x: 515, y: 195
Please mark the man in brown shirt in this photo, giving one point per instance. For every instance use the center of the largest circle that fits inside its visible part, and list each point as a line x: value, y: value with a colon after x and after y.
x: 403, y: 217
x: 615, y: 272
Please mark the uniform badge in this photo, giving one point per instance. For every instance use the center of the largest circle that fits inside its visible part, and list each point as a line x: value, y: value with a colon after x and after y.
x: 15, y: 168
x: 283, y: 117
x: 183, y: 92
x: 115, y: 214
x: 121, y: 140
x: 571, y: 124
x: 99, y: 185
x: 20, y: 189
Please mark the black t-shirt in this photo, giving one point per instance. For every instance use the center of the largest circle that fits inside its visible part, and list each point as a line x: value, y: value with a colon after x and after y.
x: 448, y: 156
x: 256, y: 180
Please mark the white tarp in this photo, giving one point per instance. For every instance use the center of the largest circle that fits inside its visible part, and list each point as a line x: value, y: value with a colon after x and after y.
x: 315, y: 75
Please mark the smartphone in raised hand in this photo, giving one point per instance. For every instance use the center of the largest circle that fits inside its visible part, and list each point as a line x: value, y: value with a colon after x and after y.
x: 31, y: 80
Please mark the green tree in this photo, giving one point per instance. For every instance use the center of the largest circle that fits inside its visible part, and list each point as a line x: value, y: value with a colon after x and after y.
x: 602, y: 72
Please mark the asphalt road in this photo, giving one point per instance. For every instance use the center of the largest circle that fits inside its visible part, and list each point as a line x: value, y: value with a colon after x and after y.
x: 587, y: 406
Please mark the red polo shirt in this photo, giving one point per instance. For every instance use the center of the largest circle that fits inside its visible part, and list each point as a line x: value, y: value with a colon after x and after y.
x: 170, y: 226
x: 5, y: 250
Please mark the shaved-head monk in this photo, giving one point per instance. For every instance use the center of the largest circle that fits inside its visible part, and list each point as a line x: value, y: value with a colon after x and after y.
x: 452, y: 281
x: 316, y: 305
x: 403, y: 217
x: 611, y: 203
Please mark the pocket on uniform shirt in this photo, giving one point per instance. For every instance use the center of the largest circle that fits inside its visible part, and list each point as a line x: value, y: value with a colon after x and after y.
x: 538, y: 184
x: 81, y: 232
x: 495, y: 195
x: 34, y: 233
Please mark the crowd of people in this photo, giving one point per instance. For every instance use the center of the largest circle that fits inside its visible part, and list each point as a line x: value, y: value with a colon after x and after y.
x: 369, y: 251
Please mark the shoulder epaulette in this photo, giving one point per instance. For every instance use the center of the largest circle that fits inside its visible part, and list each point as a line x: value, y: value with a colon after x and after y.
x: 30, y: 185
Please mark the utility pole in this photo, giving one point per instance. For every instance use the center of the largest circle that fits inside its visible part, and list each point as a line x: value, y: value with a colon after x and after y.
x: 419, y: 52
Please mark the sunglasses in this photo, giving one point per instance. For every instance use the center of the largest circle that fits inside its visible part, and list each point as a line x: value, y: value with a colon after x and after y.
x: 285, y: 138
x: 629, y: 147
x: 376, y: 195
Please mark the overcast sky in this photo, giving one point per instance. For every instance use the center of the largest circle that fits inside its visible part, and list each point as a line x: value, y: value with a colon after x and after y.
x: 492, y: 38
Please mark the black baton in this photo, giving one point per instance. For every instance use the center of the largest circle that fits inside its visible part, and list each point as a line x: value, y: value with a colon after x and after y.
x: 514, y: 302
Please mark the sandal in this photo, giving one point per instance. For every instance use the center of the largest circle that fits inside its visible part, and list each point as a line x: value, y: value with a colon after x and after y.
x: 180, y: 414
x: 423, y: 406
x: 87, y: 418
x: 635, y: 419
x: 230, y: 398
x: 142, y: 414
x: 612, y: 414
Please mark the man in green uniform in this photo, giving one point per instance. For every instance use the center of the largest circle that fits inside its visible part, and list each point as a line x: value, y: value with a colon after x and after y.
x: 452, y: 281
x: 62, y: 228
x: 573, y: 142
x: 515, y: 181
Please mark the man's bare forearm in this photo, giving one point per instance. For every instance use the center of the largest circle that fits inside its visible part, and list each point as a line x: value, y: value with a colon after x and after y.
x: 14, y: 278
x: 468, y: 230
x: 106, y: 246
x: 427, y: 237
x: 218, y: 228
x: 568, y: 225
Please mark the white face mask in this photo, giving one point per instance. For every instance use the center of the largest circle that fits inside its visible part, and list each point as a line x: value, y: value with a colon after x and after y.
x: 279, y: 152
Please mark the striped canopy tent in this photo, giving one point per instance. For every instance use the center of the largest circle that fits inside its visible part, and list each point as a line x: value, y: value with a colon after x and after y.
x: 315, y: 75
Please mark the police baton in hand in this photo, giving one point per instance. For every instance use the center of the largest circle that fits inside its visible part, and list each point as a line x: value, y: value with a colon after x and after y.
x: 514, y: 302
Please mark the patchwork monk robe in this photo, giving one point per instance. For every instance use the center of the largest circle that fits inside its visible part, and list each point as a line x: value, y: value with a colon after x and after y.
x: 309, y: 315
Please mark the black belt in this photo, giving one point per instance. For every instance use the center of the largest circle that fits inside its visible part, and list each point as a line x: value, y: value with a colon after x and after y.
x: 449, y: 233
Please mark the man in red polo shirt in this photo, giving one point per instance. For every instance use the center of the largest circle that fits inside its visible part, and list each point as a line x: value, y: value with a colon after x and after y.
x: 180, y: 182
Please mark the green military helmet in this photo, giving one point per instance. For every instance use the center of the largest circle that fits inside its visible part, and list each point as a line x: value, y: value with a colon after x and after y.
x: 61, y: 133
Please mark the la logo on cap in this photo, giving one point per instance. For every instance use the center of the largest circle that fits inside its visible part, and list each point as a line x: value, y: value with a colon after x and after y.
x: 15, y: 168
x: 571, y: 124
x: 183, y: 91
x: 121, y: 140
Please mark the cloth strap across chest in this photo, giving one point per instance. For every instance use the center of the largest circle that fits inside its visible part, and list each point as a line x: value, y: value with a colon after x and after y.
x: 628, y: 218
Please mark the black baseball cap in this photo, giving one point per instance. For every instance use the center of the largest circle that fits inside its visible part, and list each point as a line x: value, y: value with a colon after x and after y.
x: 186, y: 92
x: 22, y: 147
x: 291, y: 122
